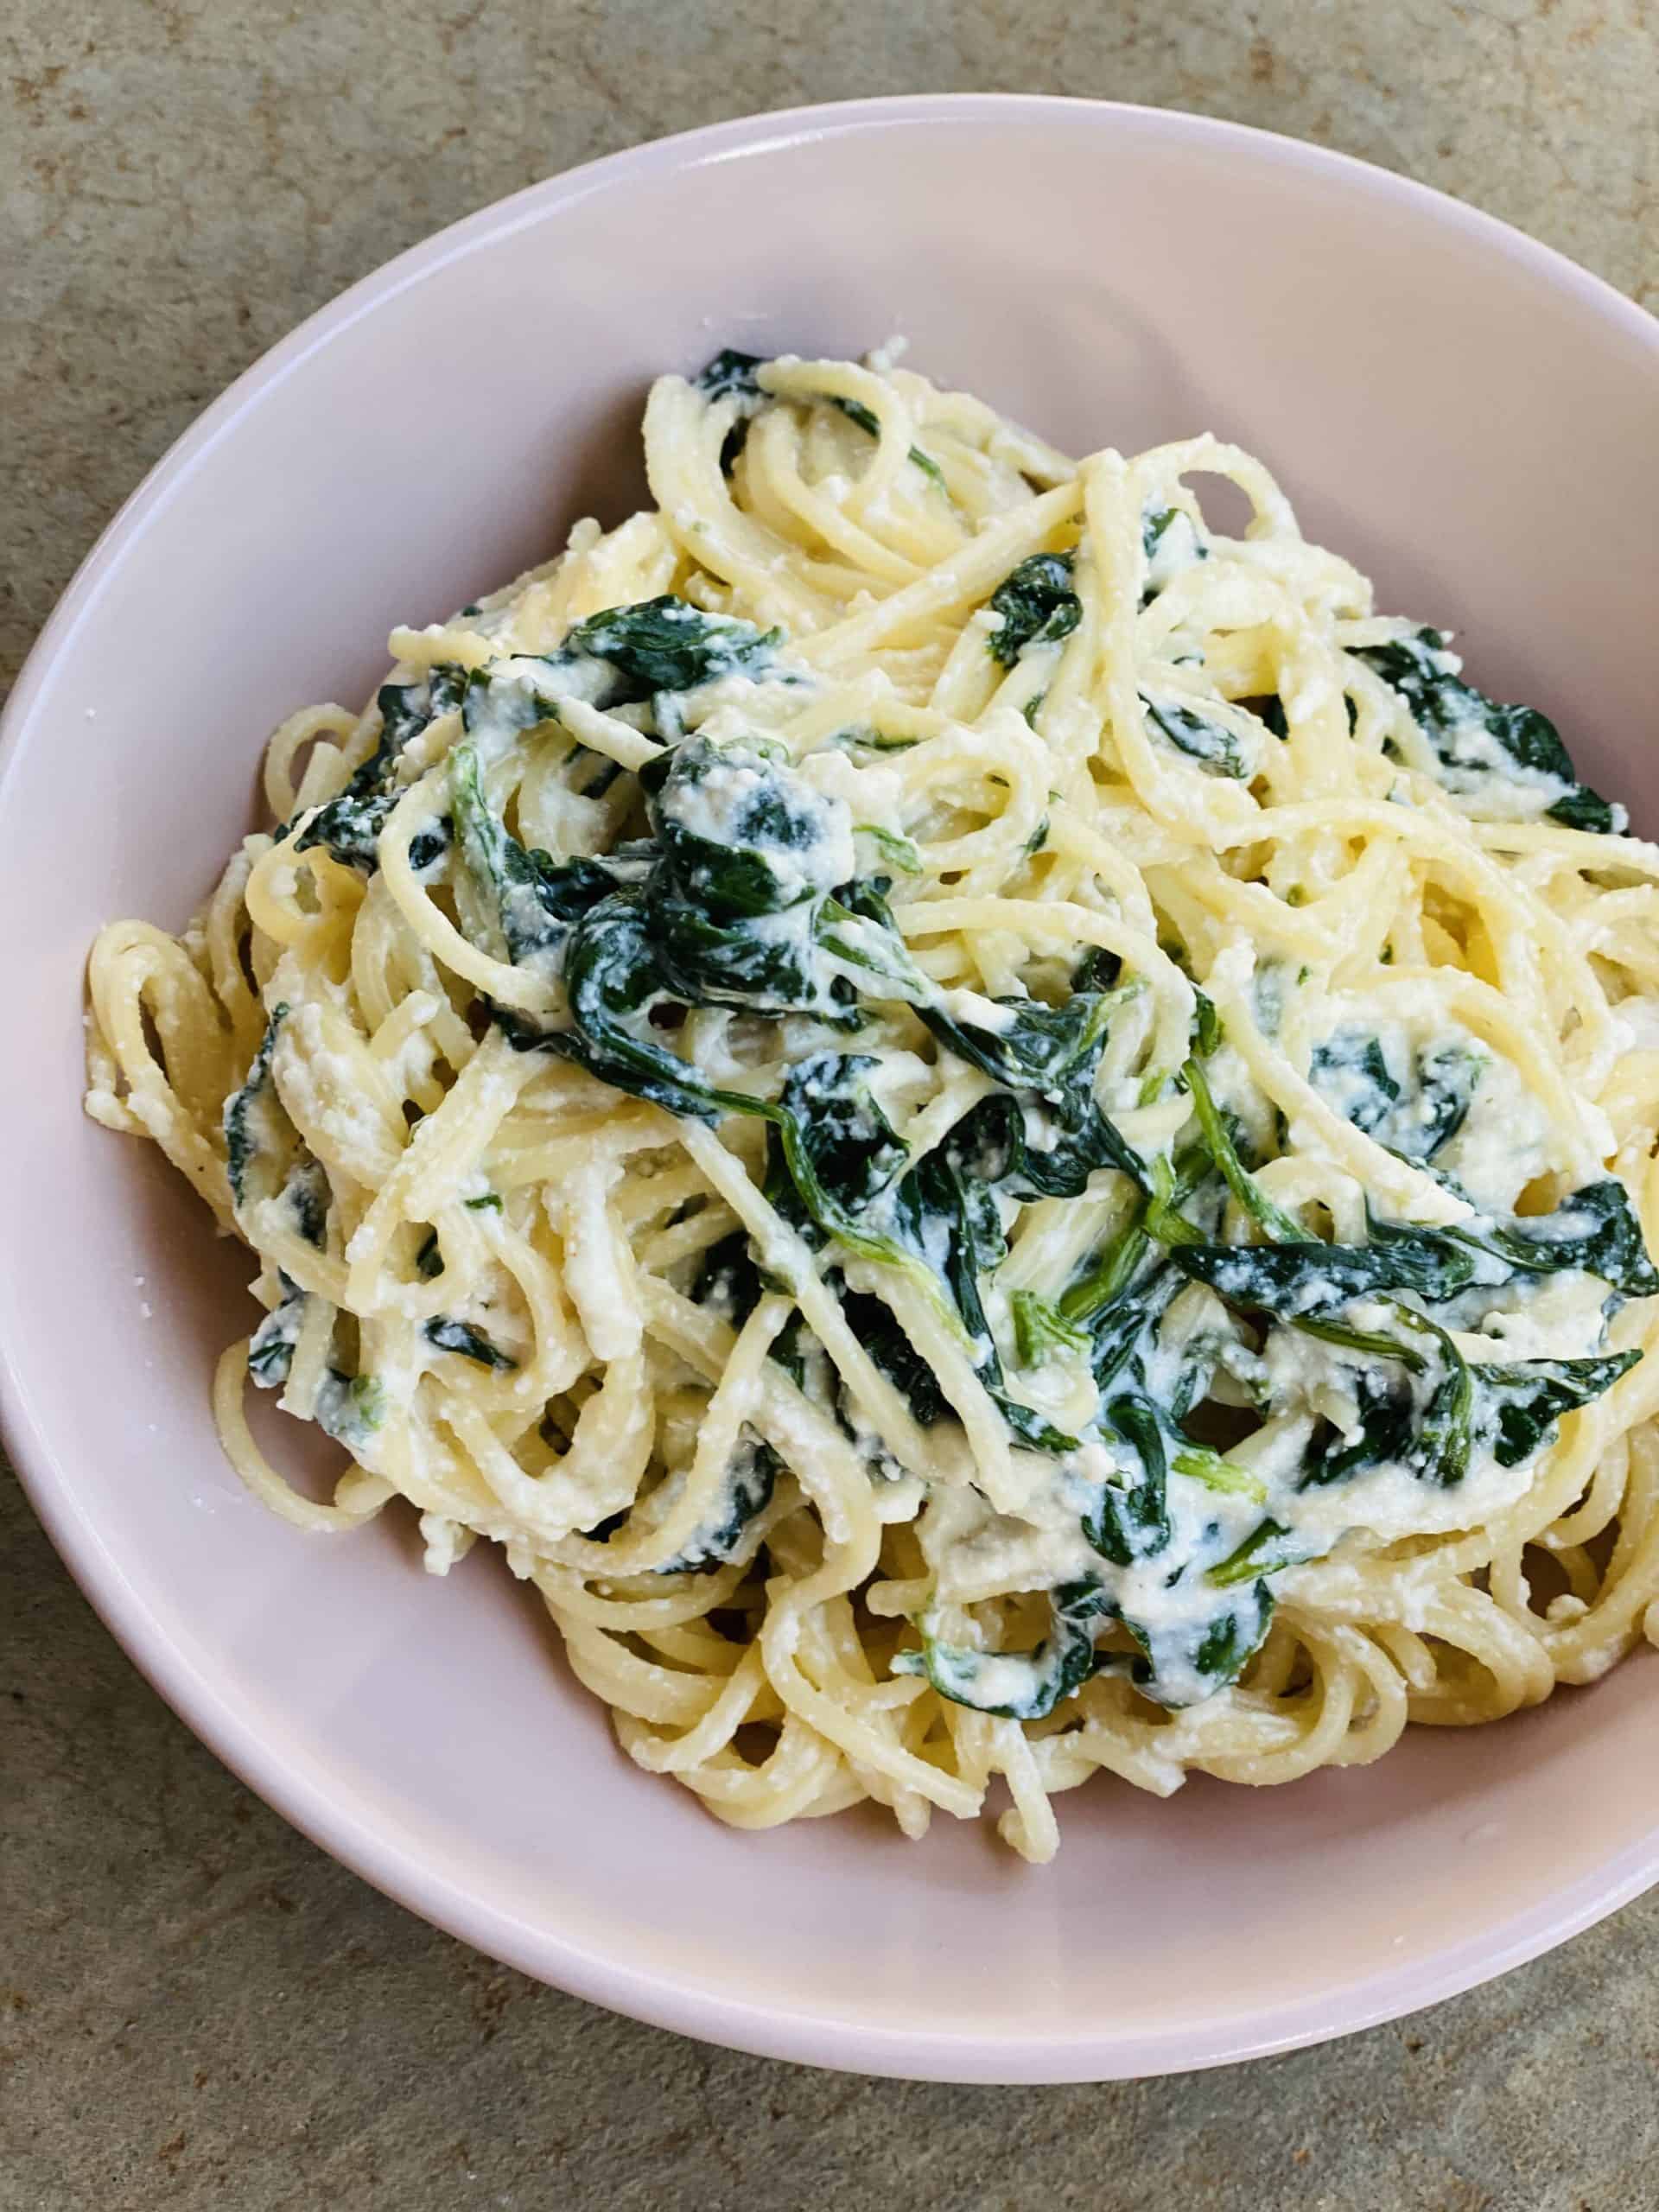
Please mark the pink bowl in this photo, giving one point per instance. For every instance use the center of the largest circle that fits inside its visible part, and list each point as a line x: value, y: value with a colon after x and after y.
x: 1463, y: 412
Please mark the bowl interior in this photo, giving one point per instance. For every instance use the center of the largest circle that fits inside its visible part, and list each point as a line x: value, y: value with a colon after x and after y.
x: 1460, y: 412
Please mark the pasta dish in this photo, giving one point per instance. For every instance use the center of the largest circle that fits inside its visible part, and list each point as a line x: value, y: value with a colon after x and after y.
x: 994, y: 1134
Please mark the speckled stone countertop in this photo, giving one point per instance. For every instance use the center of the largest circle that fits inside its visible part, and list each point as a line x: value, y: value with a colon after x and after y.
x: 197, y: 2008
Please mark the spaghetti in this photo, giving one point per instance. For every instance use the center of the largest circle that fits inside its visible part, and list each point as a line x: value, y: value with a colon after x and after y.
x: 993, y: 1132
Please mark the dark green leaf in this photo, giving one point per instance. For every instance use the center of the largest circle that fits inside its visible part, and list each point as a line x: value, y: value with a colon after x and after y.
x: 730, y: 373
x: 1462, y: 724
x: 1595, y: 1229
x: 856, y: 411
x: 428, y: 847
x: 1414, y: 1110
x: 253, y: 1116
x: 307, y: 1195
x: 872, y: 1322
x: 614, y: 984
x: 349, y: 825
x: 772, y: 827
x: 451, y: 1335
x: 1182, y: 1663
x: 535, y: 900
x: 1445, y: 1439
x: 1037, y: 1679
x: 1053, y: 1051
x: 751, y: 1476
x: 270, y: 1349
x: 948, y: 1220
x: 853, y: 1148
x: 1421, y: 1415
x: 1028, y: 1152
x: 1521, y: 1404
x: 1213, y: 745
x: 1233, y: 1639
x: 1170, y: 541
x: 728, y: 1280
x: 1306, y: 1277
x: 1037, y: 605
x: 1154, y: 524
x: 1384, y: 1432
x: 1108, y: 1279
x: 1134, y: 1523
x: 1351, y: 1069
x: 664, y: 644
x: 1371, y: 1343
x: 780, y: 843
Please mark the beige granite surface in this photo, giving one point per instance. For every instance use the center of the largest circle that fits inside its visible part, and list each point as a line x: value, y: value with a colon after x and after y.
x: 196, y: 2007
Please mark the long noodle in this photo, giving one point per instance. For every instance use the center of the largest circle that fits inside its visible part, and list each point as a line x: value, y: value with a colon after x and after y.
x: 487, y: 1271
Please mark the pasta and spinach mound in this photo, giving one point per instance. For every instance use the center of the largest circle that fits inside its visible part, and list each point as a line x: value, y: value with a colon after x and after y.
x: 994, y: 1133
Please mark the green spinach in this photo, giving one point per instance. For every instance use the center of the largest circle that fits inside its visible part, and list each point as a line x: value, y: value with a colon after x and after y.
x: 1476, y: 739
x: 448, y: 1334
x: 750, y: 1476
x: 1213, y: 745
x: 1037, y: 604
x: 856, y: 411
x: 349, y: 826
x: 270, y: 1349
x: 1041, y: 1331
x: 253, y: 1121
x: 537, y: 901
x: 1415, y: 1107
x: 665, y: 644
x: 730, y: 375
x: 1016, y: 1686
x: 352, y: 1408
x: 1521, y: 1404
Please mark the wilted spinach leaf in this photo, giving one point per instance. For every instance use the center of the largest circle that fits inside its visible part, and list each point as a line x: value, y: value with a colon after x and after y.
x: 449, y: 1334
x: 1522, y: 1404
x: 1466, y: 729
x: 665, y: 645
x: 730, y: 374
x: 349, y: 825
x: 1037, y: 604
x: 1017, y: 1686
x: 751, y: 1476
x: 1213, y: 745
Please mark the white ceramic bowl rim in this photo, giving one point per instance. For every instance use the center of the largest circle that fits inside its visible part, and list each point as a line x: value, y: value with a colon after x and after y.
x: 807, y: 2031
